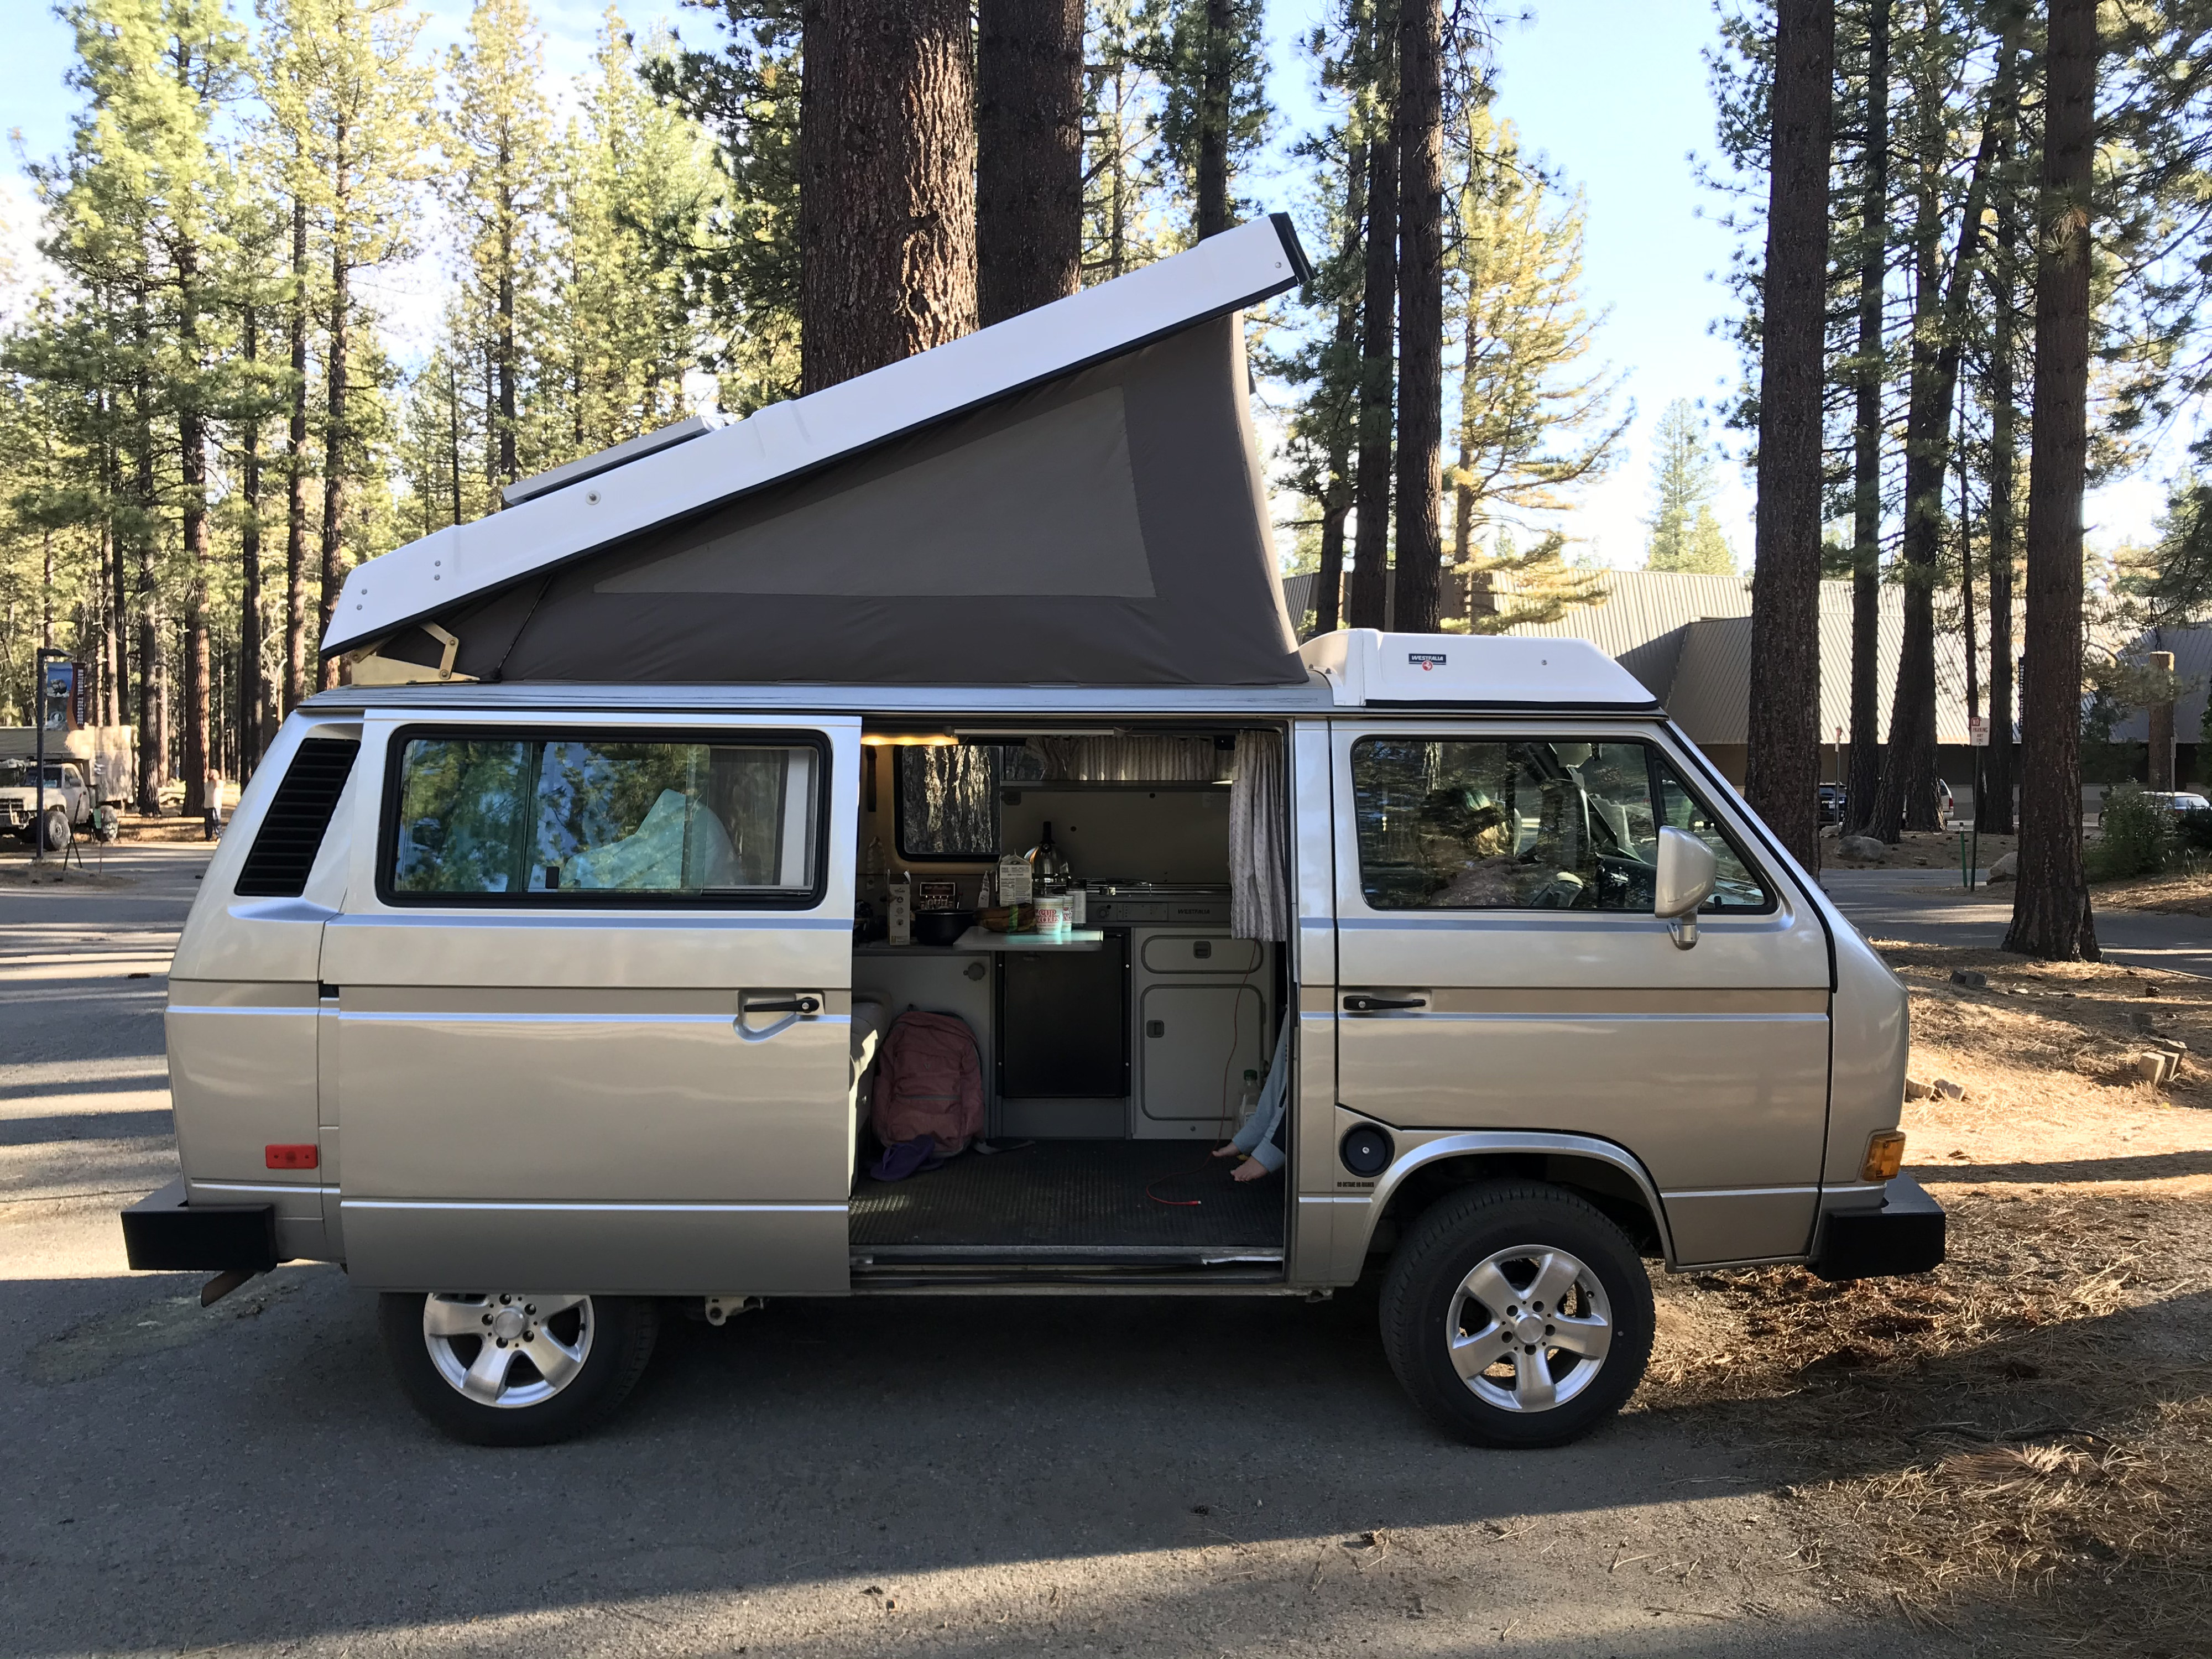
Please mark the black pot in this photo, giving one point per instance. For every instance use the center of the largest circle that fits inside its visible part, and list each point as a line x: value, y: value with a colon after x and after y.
x: 941, y: 928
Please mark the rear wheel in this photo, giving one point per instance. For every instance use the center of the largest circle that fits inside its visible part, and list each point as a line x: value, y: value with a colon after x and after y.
x: 59, y: 833
x: 1516, y: 1314
x: 517, y: 1368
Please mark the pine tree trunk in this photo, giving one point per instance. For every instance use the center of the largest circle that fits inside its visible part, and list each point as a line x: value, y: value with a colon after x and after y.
x: 887, y: 185
x: 249, y: 564
x: 1998, y: 764
x: 1783, y: 767
x: 153, y: 750
x: 1906, y: 798
x: 1343, y: 348
x: 1420, y: 315
x: 1214, y: 89
x: 1028, y: 155
x: 509, y: 472
x: 192, y: 468
x: 1368, y: 602
x: 2051, y: 915
x: 1866, y: 437
x: 295, y: 468
x: 335, y: 460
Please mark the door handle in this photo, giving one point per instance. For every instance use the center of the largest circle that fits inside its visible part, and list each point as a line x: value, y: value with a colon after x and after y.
x: 1367, y: 1005
x: 792, y: 1008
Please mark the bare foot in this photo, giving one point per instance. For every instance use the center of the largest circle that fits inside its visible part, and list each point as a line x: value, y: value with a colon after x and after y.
x: 1250, y: 1169
x: 1227, y: 1149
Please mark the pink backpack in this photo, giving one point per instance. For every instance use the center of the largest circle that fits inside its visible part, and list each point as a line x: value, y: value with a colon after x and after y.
x: 929, y: 1081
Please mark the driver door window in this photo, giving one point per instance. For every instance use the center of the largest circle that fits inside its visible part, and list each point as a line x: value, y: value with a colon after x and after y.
x: 1525, y: 825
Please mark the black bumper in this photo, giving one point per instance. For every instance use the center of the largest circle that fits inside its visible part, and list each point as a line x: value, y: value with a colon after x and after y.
x: 1904, y: 1236
x: 162, y: 1234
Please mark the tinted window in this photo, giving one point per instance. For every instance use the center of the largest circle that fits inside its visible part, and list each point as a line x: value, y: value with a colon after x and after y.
x: 553, y: 819
x: 1459, y: 825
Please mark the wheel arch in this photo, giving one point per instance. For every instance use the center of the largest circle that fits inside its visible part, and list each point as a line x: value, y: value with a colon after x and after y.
x: 1607, y: 1175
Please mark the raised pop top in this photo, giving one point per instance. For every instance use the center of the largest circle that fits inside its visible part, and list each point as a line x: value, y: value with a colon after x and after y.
x: 1133, y: 475
x: 1367, y: 669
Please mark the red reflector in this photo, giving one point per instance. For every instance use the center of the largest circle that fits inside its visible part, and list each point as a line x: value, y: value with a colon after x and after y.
x: 291, y: 1157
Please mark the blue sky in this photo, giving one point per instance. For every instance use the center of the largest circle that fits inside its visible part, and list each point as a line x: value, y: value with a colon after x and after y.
x: 1611, y: 94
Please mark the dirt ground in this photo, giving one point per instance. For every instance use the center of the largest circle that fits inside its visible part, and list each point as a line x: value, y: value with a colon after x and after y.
x: 2031, y: 1424
x: 1921, y: 849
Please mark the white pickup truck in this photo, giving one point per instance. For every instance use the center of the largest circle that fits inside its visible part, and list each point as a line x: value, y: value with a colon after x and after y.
x: 71, y: 805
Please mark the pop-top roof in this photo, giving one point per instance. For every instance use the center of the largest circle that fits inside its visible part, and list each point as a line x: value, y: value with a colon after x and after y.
x: 1070, y: 497
x: 1371, y: 670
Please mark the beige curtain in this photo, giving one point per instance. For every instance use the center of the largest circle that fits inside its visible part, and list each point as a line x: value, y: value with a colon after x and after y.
x: 1259, y: 857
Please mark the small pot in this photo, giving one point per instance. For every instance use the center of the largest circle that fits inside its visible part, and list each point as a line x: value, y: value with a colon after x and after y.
x: 941, y: 928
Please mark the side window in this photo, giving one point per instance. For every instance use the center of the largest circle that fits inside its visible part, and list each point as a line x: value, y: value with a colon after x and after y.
x: 569, y: 819
x: 1466, y: 825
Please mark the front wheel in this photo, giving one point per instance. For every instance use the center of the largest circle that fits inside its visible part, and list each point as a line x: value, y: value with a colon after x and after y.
x: 517, y: 1368
x: 59, y: 833
x: 1516, y: 1314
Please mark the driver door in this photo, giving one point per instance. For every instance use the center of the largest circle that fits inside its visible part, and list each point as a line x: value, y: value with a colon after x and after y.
x: 1499, y: 968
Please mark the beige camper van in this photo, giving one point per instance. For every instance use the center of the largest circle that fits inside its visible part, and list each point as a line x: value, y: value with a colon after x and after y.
x: 542, y: 979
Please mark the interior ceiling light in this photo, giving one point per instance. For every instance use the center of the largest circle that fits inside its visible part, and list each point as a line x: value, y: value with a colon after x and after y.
x: 907, y: 739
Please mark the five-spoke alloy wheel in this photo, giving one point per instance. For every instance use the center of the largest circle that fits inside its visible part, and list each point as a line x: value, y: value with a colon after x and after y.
x: 517, y: 1368
x: 1516, y: 1314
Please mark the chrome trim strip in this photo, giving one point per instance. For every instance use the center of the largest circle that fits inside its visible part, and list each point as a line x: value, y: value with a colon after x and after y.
x: 429, y: 1017
x: 1738, y: 1192
x: 415, y: 1204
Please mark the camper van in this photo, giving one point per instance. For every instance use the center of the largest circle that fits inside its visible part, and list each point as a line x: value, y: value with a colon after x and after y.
x: 557, y: 973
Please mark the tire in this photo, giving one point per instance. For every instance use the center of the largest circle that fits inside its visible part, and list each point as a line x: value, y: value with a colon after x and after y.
x: 59, y: 833
x: 1492, y: 1243
x: 594, y: 1350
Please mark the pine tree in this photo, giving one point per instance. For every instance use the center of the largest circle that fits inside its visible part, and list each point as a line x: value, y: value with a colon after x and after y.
x: 1533, y: 421
x: 497, y: 135
x: 2051, y: 915
x: 1124, y: 206
x: 1029, y: 154
x: 1783, y: 770
x: 887, y: 185
x: 1215, y: 115
x: 736, y: 247
x: 345, y: 89
x: 1420, y: 112
x: 1684, y: 534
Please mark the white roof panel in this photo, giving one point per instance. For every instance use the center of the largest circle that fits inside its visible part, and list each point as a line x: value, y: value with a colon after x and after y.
x: 1368, y: 668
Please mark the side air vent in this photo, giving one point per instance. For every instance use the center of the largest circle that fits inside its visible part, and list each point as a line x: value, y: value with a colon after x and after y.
x: 292, y: 829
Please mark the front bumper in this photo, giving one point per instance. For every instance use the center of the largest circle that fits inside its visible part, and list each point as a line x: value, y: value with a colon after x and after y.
x: 162, y: 1234
x: 1904, y: 1235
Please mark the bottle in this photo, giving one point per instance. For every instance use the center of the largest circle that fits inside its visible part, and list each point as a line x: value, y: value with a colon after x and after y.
x: 1250, y: 1102
x: 1044, y: 861
x: 983, y: 892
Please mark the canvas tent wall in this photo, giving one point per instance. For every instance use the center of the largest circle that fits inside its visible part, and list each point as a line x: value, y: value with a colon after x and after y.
x: 1082, y: 502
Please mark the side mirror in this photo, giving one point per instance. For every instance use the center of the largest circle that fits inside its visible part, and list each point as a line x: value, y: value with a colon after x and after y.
x: 1685, y: 881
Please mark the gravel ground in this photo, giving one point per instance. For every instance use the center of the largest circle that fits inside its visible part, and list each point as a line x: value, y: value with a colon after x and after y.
x: 970, y: 1476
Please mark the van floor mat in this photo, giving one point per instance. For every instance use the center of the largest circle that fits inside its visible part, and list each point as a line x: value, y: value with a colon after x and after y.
x: 1079, y: 1195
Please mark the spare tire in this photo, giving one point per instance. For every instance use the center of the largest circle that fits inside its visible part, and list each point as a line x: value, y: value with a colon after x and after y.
x: 58, y: 834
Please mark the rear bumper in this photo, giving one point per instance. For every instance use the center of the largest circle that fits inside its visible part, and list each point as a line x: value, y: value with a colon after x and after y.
x: 162, y: 1234
x: 1904, y: 1236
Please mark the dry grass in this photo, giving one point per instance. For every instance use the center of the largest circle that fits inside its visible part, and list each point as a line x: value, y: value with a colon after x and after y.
x: 2176, y: 894
x: 2031, y: 1425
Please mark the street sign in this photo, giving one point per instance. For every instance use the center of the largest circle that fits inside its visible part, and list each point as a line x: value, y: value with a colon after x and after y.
x: 1978, y: 729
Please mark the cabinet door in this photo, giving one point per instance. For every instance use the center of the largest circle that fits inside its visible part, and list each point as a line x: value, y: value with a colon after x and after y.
x: 1499, y: 967
x: 593, y: 988
x: 1200, y: 1040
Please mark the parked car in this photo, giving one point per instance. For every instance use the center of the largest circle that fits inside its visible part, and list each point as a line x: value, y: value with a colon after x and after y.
x: 1834, y: 797
x: 2179, y: 801
x: 526, y: 984
x: 1947, y: 803
x: 69, y: 803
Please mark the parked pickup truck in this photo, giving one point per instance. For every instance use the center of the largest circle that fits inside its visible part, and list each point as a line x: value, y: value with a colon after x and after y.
x: 69, y: 803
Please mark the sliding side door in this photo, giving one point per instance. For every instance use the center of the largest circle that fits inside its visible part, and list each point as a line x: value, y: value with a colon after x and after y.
x: 593, y: 989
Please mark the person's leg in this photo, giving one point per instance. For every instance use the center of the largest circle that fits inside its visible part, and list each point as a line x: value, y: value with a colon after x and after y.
x: 1268, y: 1111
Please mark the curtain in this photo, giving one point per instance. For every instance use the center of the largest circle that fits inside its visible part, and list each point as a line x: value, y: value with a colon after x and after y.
x: 1259, y: 856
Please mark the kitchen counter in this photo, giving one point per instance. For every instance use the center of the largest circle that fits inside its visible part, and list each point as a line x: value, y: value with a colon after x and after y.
x: 977, y: 940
